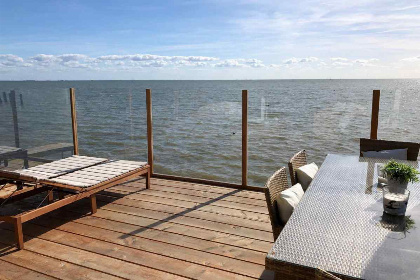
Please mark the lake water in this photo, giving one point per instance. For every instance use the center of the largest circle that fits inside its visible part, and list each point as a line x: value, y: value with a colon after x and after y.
x: 197, y: 124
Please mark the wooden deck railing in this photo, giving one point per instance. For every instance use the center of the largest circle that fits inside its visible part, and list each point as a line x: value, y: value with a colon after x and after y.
x: 375, y: 115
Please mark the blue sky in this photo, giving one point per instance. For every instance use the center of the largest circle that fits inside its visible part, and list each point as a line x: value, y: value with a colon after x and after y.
x: 247, y: 39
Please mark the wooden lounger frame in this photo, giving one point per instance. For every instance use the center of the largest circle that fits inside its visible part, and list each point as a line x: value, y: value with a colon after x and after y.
x: 46, y: 185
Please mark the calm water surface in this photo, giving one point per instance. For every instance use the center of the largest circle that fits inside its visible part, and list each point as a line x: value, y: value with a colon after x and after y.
x: 197, y: 124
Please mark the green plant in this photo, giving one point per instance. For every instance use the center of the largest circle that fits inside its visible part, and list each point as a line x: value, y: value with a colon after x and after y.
x: 401, y: 172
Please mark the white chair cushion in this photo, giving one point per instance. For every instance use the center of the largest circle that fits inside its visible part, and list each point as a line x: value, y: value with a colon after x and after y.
x: 387, y: 154
x: 305, y: 174
x: 288, y: 200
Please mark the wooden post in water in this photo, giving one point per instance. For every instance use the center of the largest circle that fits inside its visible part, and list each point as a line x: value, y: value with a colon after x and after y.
x: 4, y: 97
x: 12, y: 99
x: 74, y: 121
x: 149, y: 129
x: 21, y: 99
x: 375, y: 115
x: 244, y: 138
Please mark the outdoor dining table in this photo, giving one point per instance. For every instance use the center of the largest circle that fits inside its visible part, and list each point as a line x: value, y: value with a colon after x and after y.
x: 339, y: 226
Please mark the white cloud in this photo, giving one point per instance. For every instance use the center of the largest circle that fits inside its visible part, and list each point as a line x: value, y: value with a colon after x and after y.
x: 148, y: 57
x: 230, y: 63
x: 294, y: 60
x: 339, y: 59
x: 44, y: 58
x: 291, y: 60
x: 309, y: 59
x: 235, y: 63
x: 10, y: 60
x: 366, y: 62
x: 342, y: 64
x: 72, y: 57
x: 134, y: 62
x: 412, y: 59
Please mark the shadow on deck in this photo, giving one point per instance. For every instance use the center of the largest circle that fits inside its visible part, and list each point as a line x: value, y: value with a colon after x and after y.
x: 175, y: 230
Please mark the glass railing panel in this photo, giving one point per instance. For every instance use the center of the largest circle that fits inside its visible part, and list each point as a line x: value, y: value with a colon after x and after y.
x: 36, y: 123
x: 197, y: 129
x: 111, y: 117
x: 399, y: 119
x: 320, y: 116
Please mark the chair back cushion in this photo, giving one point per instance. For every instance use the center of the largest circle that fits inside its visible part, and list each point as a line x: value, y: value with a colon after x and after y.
x: 305, y: 174
x: 288, y: 200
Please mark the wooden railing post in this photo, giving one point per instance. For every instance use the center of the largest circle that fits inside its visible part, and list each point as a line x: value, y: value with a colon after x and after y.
x: 74, y: 121
x: 244, y: 138
x: 12, y: 99
x: 149, y: 129
x: 375, y: 115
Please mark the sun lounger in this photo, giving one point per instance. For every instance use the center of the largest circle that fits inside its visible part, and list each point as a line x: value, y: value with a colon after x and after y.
x: 8, y: 153
x: 79, y: 177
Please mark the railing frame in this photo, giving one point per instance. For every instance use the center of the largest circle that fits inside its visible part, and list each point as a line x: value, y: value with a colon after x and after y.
x: 244, y: 138
x: 244, y: 185
x: 74, y: 121
x: 149, y: 130
x: 12, y: 100
x: 375, y: 114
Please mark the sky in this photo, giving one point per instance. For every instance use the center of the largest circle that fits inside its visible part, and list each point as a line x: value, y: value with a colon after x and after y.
x: 213, y: 39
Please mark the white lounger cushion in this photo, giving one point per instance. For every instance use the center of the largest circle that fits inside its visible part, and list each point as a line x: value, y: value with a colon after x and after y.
x: 305, y: 174
x: 59, y: 167
x: 387, y: 154
x: 97, y: 174
x: 288, y: 200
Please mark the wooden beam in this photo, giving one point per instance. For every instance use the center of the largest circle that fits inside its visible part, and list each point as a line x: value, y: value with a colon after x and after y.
x: 244, y: 138
x: 207, y: 182
x: 74, y: 121
x: 19, y: 233
x: 149, y: 129
x: 375, y: 115
x: 12, y: 99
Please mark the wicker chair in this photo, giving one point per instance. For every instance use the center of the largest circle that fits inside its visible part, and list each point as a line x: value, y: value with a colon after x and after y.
x: 295, y: 162
x: 380, y: 145
x: 274, y: 186
x: 323, y: 275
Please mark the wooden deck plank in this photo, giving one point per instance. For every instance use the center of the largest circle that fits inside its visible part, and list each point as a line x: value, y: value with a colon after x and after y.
x: 219, y: 237
x: 227, y: 197
x: 130, y: 255
x: 208, y: 188
x: 50, y: 267
x: 206, y: 207
x: 94, y: 261
x: 188, y: 221
x: 128, y: 230
x: 193, y: 212
x: 176, y: 230
x: 11, y: 271
x: 166, y: 253
x: 221, y: 201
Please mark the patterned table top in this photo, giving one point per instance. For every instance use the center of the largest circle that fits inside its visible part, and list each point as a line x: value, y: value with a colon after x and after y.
x: 339, y: 225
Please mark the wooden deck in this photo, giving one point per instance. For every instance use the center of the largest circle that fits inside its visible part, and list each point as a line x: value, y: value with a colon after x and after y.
x: 175, y: 230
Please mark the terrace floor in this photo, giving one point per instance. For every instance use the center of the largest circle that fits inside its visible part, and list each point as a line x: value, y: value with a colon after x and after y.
x: 175, y: 230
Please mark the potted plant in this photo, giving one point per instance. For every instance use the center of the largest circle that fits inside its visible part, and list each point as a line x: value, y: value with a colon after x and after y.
x: 400, y: 174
